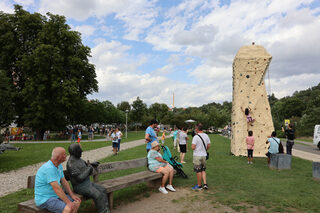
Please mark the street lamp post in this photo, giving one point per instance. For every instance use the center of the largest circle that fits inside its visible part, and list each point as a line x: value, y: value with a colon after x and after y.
x: 127, y: 123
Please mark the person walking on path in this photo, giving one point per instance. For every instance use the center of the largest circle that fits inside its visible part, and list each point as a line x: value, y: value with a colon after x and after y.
x: 290, y: 138
x: 151, y: 134
x: 250, y: 146
x: 119, y: 135
x: 90, y: 133
x: 114, y: 139
x: 175, y: 133
x: 73, y: 135
x: 157, y: 164
x: 48, y: 191
x: 79, y: 136
x: 200, y: 144
x: 274, y: 145
x: 183, y: 144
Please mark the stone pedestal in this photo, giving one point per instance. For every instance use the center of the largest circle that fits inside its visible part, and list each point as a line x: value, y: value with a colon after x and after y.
x: 280, y: 161
x: 316, y: 170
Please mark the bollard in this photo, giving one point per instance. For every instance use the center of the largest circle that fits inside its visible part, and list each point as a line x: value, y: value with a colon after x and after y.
x: 280, y: 161
x: 316, y: 170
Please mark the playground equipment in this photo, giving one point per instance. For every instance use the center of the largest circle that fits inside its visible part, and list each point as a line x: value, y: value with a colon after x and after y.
x: 249, y: 91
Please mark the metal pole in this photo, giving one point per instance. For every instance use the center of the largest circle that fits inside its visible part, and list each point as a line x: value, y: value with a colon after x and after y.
x: 127, y: 123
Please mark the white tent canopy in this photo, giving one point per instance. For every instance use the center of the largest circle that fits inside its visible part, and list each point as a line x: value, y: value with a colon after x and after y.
x: 190, y: 121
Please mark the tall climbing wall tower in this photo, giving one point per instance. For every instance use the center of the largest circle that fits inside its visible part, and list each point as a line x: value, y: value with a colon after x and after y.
x: 249, y: 68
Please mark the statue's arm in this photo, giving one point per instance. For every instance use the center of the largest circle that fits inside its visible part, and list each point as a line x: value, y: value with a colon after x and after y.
x: 85, y: 172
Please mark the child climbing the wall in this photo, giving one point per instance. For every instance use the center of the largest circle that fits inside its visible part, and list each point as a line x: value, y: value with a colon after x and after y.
x: 250, y: 146
x: 247, y: 112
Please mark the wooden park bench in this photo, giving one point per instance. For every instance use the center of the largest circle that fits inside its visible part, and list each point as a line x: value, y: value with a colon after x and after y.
x: 151, y: 178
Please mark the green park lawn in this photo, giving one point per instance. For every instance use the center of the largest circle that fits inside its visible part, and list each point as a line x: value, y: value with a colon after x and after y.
x: 231, y: 181
x: 40, y: 152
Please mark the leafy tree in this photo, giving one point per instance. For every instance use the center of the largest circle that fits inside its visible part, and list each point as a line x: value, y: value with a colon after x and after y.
x: 113, y: 115
x: 6, y: 106
x: 293, y: 107
x: 49, y: 66
x: 123, y: 106
x: 158, y: 111
x: 138, y: 110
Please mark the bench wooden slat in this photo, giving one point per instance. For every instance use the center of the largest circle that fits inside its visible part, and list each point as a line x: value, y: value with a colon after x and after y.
x: 30, y: 207
x: 129, y: 180
x: 122, y: 165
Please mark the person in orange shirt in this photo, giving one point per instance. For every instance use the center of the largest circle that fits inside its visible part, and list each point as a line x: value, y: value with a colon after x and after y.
x: 250, y: 146
x: 163, y: 137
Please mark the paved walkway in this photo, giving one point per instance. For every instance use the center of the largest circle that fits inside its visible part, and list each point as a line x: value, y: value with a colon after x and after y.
x: 15, y: 180
x: 304, y: 150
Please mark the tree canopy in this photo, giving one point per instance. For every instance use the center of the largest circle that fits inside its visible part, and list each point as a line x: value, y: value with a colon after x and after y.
x: 48, y: 66
x: 302, y: 108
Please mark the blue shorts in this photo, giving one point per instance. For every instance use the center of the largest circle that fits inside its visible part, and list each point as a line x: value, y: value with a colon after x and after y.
x: 114, y: 144
x: 54, y: 204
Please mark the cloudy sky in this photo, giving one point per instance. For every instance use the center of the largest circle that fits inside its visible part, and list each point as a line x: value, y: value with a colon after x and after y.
x: 152, y: 48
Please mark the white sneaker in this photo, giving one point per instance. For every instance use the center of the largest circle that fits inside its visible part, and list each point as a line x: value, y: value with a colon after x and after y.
x: 163, y: 190
x: 170, y: 187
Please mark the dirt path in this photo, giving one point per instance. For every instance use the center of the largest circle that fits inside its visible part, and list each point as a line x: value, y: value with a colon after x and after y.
x: 182, y: 201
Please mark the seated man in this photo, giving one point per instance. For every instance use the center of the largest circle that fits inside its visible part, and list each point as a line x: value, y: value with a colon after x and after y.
x: 157, y: 164
x: 48, y: 192
x: 274, y: 145
x: 79, y: 172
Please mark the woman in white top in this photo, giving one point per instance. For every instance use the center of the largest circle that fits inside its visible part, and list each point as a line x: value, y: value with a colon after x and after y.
x: 119, y: 135
x: 183, y: 137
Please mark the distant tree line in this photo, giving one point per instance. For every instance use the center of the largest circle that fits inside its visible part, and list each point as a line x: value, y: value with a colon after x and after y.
x: 139, y: 114
x: 302, y: 108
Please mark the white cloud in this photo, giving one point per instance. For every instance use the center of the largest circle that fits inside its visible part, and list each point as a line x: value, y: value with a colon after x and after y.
x: 286, y: 86
x: 202, y: 34
x: 6, y: 6
x: 85, y: 30
x: 136, y: 15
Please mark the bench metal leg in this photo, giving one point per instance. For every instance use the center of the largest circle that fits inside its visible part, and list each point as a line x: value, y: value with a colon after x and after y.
x: 110, y: 199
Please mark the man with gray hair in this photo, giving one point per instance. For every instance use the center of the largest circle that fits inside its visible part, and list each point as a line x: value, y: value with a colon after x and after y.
x: 49, y: 194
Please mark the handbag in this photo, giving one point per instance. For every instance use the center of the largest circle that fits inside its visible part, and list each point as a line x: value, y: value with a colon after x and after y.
x: 207, y: 157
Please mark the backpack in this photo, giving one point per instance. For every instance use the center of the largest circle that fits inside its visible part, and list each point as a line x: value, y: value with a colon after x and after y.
x: 280, y: 146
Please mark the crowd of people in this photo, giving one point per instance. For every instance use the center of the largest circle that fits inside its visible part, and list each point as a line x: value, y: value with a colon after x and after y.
x: 200, y: 145
x: 275, y: 145
x: 50, y: 177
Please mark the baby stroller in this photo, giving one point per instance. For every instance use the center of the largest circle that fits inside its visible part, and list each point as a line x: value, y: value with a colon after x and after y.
x: 173, y: 161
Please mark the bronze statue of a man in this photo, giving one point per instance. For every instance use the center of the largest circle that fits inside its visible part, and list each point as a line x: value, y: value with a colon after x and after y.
x: 79, y: 172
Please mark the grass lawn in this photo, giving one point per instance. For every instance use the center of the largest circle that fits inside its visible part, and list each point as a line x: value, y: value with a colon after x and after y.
x: 231, y: 181
x: 306, y: 139
x: 36, y: 153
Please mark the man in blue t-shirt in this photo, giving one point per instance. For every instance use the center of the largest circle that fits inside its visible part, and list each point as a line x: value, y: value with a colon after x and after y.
x: 274, y: 145
x: 48, y: 191
x: 151, y: 135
